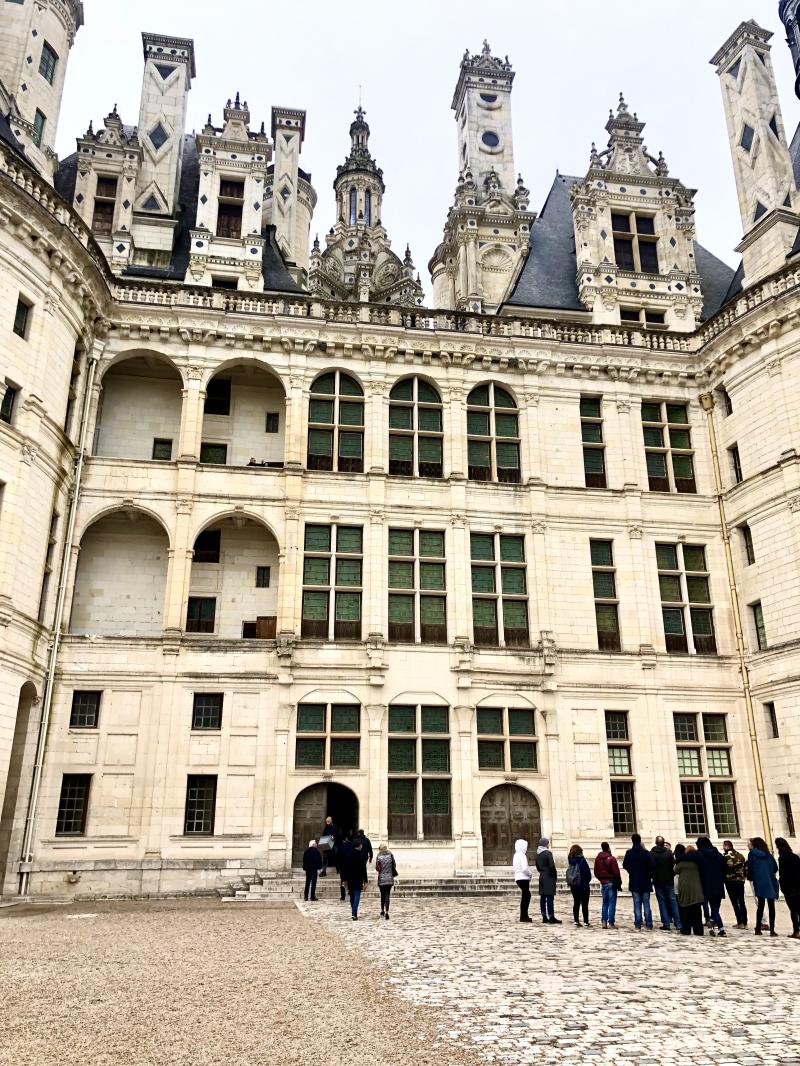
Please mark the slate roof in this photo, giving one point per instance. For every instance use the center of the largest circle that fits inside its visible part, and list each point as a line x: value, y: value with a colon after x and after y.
x: 276, y: 276
x: 7, y: 135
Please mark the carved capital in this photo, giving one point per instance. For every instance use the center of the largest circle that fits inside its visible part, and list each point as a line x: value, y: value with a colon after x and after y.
x: 539, y: 526
x: 635, y: 532
x: 794, y: 504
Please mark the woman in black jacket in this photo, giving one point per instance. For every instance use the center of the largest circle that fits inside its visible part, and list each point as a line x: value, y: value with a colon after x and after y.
x: 354, y: 874
x: 789, y: 879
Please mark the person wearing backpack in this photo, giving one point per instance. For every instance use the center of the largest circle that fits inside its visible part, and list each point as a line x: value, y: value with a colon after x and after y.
x: 387, y: 871
x: 579, y: 878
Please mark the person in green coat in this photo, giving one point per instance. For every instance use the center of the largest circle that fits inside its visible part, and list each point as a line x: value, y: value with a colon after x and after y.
x: 690, y: 892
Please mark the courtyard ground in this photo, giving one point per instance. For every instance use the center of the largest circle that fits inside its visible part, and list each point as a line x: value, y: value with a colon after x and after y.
x: 456, y: 981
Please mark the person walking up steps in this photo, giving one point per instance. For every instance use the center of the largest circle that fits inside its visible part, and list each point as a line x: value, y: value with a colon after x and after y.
x: 789, y: 872
x: 545, y: 864
x: 639, y: 864
x: 606, y: 870
x: 579, y: 878
x: 735, y: 877
x: 761, y: 870
x: 522, y: 875
x: 312, y: 861
x: 387, y: 871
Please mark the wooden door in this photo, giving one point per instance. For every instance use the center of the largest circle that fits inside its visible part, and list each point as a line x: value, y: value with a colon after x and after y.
x: 508, y: 813
x: 310, y: 809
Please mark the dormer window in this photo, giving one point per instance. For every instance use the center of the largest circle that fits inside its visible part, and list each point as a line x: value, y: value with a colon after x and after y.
x: 105, y: 201
x: 635, y: 242
x: 231, y: 205
x: 642, y: 317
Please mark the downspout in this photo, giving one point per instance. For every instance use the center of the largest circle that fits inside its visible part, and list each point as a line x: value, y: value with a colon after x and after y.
x: 47, y: 702
x: 707, y: 400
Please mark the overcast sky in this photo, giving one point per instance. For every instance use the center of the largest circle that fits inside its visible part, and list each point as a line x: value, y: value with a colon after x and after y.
x: 571, y: 61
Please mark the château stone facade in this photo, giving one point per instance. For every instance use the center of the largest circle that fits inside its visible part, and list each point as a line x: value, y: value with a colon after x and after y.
x: 278, y: 541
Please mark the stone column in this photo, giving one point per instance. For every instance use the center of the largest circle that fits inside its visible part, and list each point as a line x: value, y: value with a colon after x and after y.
x: 465, y: 812
x: 375, y: 579
x: 376, y: 428
x: 179, y: 569
x: 529, y: 438
x: 280, y: 841
x: 290, y: 577
x: 376, y: 818
x: 454, y: 423
x: 191, y: 431
x: 459, y: 578
x: 294, y: 452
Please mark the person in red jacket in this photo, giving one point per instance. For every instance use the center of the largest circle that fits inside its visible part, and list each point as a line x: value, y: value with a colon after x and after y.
x: 606, y: 870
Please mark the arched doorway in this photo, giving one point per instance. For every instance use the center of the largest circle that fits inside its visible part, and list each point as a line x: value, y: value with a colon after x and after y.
x: 508, y: 813
x: 312, y: 807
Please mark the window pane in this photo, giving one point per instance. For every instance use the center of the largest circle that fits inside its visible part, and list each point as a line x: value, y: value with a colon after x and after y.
x: 503, y: 398
x: 435, y: 797
x: 490, y: 755
x: 349, y: 386
x: 315, y: 606
x: 604, y: 585
x: 656, y: 464
x: 349, y: 540
x: 426, y: 393
x: 345, y: 753
x: 318, y: 539
x: 591, y: 433
x: 345, y: 718
x: 401, y: 542
x: 434, y: 719
x: 670, y: 587
x: 402, y: 756
x: 436, y: 756
x: 309, y: 752
x: 507, y: 456
x: 680, y: 438
x: 673, y: 621
x: 430, y: 419
x: 401, y: 575
x: 512, y: 549
x: 601, y: 552
x: 484, y: 613
x: 326, y: 385
x: 432, y: 610
x: 490, y: 720
x: 677, y: 412
x: 689, y: 762
x: 697, y: 589
x: 648, y: 256
x: 520, y: 722
x: 431, y: 575
x: 348, y: 571
x: 616, y: 725
x: 481, y: 546
x: 401, y: 609
x: 515, y: 614
x: 201, y: 795
x: 311, y: 718
x: 619, y: 761
x: 316, y: 571
x: 403, y: 390
x: 478, y: 453
x: 590, y: 407
x: 694, y: 557
x: 715, y: 728
x: 402, y: 797
x: 666, y: 556
x: 73, y: 804
x: 320, y: 442
x: 478, y: 423
x: 513, y: 581
x: 483, y: 579
x: 653, y: 437
x: 651, y: 412
x: 400, y: 417
x: 623, y: 810
x: 523, y: 756
x: 350, y: 445
x: 402, y: 718
x: 506, y: 425
x: 321, y: 411
x: 86, y: 709
x: 431, y: 544
x: 348, y: 606
x: 607, y: 618
x: 351, y: 414
x: 401, y: 448
x: 718, y: 761
x: 683, y: 466
x: 685, y: 727
x: 694, y: 808
x: 723, y: 801
x: 702, y: 622
x: 430, y: 450
x: 594, y: 463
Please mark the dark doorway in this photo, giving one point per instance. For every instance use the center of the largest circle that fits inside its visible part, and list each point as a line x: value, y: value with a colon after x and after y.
x: 508, y: 813
x: 313, y: 806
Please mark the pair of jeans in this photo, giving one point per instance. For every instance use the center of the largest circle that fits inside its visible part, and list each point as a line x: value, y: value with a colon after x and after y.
x: 355, y: 897
x: 641, y: 902
x: 793, y: 903
x: 713, y: 908
x: 524, y: 886
x: 609, y: 908
x: 580, y: 902
x: 692, y: 920
x: 311, y: 884
x: 546, y: 905
x: 386, y: 891
x: 735, y: 890
x: 760, y: 912
x: 668, y: 906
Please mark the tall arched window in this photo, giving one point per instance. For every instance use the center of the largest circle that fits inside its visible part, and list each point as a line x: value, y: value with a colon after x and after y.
x: 353, y: 206
x: 492, y: 435
x: 415, y: 429
x: 368, y: 207
x: 336, y: 424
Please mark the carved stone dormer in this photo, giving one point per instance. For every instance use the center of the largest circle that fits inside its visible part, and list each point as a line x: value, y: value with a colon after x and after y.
x: 634, y: 235
x: 357, y: 263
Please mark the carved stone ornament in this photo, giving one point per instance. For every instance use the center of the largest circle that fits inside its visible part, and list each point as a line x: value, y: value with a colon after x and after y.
x: 635, y: 532
x: 539, y: 526
x: 794, y: 504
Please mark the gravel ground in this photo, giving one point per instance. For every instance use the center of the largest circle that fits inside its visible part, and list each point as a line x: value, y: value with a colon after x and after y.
x: 195, y: 982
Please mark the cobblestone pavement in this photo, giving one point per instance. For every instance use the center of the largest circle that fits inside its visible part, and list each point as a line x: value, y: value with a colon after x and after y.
x: 557, y: 994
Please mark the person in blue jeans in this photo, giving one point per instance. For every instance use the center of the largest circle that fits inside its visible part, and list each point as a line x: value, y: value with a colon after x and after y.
x: 639, y: 864
x: 606, y: 870
x: 354, y: 874
x: 664, y: 885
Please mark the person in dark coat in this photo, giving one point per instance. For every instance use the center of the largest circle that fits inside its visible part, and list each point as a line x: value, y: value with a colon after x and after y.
x: 345, y: 848
x: 789, y: 873
x: 690, y: 891
x: 330, y: 831
x: 606, y: 870
x: 735, y: 878
x: 712, y: 877
x: 639, y: 864
x: 312, y: 862
x: 579, y: 882
x: 546, y: 865
x: 664, y: 885
x: 353, y: 870
x: 366, y: 844
x: 761, y: 870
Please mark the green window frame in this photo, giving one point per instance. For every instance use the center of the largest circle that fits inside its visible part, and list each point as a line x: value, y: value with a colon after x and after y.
x: 417, y: 568
x: 416, y: 438
x: 336, y: 424
x: 493, y: 436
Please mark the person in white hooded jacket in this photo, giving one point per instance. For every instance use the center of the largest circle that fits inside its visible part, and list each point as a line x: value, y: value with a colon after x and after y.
x: 522, y: 875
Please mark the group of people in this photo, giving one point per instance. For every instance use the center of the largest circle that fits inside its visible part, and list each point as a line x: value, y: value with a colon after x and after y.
x: 351, y: 853
x: 690, y: 883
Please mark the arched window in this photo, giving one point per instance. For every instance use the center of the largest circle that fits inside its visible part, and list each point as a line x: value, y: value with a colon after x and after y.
x: 415, y: 429
x: 368, y: 207
x: 492, y: 435
x: 353, y: 206
x: 336, y: 424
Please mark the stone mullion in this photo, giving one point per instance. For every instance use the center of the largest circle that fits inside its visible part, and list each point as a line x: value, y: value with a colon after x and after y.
x: 466, y: 827
x: 459, y: 582
x: 294, y: 452
x: 375, y: 818
x: 290, y: 583
x: 375, y: 578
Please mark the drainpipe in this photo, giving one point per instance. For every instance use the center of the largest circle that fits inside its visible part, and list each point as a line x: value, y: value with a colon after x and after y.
x: 707, y: 400
x: 47, y: 702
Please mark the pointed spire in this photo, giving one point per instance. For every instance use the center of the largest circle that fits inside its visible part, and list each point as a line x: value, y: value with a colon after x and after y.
x: 238, y: 104
x: 594, y: 157
x: 316, y: 242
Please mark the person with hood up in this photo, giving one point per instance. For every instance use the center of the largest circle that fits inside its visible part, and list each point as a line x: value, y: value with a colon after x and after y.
x: 639, y: 864
x: 522, y: 875
x: 735, y: 877
x: 663, y: 883
x: 761, y: 870
x: 312, y: 861
x: 690, y: 891
x: 545, y: 864
x: 789, y: 872
x: 606, y: 870
x: 386, y: 870
x: 579, y: 878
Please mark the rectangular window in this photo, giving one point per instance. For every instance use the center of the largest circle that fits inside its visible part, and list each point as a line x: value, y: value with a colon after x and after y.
x: 218, y: 397
x: 273, y: 422
x: 201, y: 802
x: 788, y: 815
x: 715, y: 729
x: 85, y: 713
x: 772, y: 719
x: 668, y: 447
x: 619, y: 761
x: 507, y: 739
x: 162, y: 449
x: 694, y: 808
x: 230, y: 208
x: 718, y: 761
x: 73, y: 805
x: 736, y: 464
x: 685, y: 727
x: 47, y: 63
x: 689, y: 762
x: 757, y: 612
x: 419, y: 801
x: 402, y: 808
x: 617, y: 725
x: 207, y: 710
x: 604, y: 580
x: 635, y: 242
x: 747, y: 544
x: 200, y: 614
x: 417, y: 582
x: 332, y: 582
x: 723, y: 804
x: 594, y: 462
x: 39, y: 121
x: 214, y: 454
x: 335, y: 740
x: 207, y: 546
x: 262, y: 577
x: 21, y: 316
x: 499, y: 590
x: 7, y: 405
x: 623, y: 807
x: 684, y: 583
x: 105, y: 202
